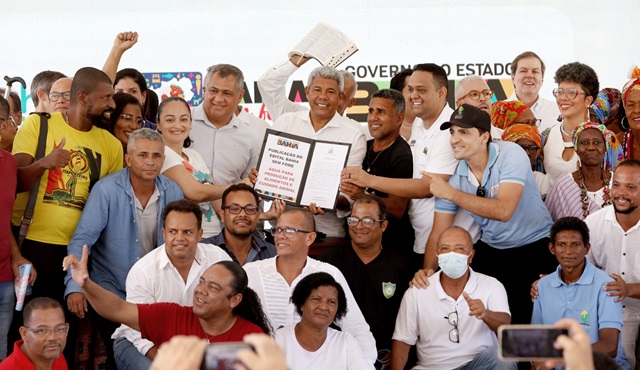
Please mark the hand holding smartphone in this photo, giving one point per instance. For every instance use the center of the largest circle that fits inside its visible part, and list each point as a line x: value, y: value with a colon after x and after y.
x: 529, y: 342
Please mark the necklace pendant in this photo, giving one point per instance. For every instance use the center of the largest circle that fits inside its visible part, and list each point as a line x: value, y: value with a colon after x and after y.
x: 369, y: 170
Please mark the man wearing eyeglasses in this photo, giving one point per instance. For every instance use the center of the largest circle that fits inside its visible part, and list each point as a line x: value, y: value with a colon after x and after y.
x: 60, y: 95
x: 275, y: 278
x: 453, y: 323
x: 240, y: 214
x: 475, y: 91
x: 44, y: 336
x: 527, y: 75
x: 377, y: 273
x: 494, y: 183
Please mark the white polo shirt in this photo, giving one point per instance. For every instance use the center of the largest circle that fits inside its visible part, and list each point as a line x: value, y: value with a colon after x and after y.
x: 423, y: 320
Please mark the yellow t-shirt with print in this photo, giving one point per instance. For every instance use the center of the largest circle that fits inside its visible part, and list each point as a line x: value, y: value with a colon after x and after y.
x: 63, y: 192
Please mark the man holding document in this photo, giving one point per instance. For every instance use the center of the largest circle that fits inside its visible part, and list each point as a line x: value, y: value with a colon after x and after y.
x: 325, y: 87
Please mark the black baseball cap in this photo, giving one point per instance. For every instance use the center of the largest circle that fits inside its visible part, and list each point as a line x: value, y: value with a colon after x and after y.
x: 468, y: 116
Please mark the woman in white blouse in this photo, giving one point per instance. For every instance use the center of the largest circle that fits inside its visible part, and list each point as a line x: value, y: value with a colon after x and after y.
x: 311, y: 343
x: 186, y: 166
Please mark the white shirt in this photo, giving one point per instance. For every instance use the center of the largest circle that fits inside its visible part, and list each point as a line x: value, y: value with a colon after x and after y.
x: 431, y: 151
x: 544, y: 109
x: 339, y: 130
x: 339, y: 351
x: 274, y: 293
x: 154, y: 279
x: 257, y: 126
x: 423, y: 321
x: 230, y: 152
x: 615, y: 251
x: 554, y: 165
x: 199, y: 170
x: 272, y: 88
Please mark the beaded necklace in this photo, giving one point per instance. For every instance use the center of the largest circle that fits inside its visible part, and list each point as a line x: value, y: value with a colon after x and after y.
x: 606, y: 197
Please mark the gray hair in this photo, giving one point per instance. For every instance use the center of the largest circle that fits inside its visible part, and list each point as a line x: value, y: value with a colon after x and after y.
x: 397, y: 100
x: 459, y: 91
x: 43, y: 81
x: 346, y: 75
x: 143, y: 133
x: 329, y: 73
x: 225, y: 70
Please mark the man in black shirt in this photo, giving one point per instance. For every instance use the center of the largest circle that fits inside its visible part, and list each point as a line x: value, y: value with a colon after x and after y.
x: 377, y: 276
x: 388, y: 155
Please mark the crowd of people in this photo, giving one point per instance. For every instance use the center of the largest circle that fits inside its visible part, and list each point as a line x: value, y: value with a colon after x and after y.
x: 140, y: 221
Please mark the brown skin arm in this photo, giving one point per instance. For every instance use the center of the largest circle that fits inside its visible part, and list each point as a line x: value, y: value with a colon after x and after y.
x: 399, y: 354
x: 106, y: 304
x: 608, y: 342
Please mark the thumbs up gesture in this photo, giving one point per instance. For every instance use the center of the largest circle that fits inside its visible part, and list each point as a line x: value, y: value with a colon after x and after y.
x: 58, y: 158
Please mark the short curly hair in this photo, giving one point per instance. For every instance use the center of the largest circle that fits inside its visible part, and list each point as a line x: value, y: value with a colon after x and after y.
x: 570, y: 223
x: 579, y: 73
x: 303, y: 290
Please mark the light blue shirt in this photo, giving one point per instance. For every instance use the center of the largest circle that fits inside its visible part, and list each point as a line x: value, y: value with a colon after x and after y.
x: 507, y: 163
x: 584, y: 301
x: 108, y: 226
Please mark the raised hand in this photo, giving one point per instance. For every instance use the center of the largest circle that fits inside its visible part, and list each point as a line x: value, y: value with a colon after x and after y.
x: 58, y: 158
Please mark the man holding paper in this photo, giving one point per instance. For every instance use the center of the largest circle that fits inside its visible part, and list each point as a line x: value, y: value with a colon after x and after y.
x: 325, y: 88
x: 330, y: 47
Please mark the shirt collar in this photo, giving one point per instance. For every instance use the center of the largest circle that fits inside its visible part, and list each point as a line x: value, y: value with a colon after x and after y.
x: 164, y: 261
x: 199, y: 114
x: 585, y: 279
x: 611, y: 217
x: 334, y: 122
x: 494, y: 151
x: 469, y: 287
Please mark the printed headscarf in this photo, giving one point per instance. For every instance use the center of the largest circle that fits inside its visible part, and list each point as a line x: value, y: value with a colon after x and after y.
x: 613, y: 151
x: 519, y: 131
x: 606, y: 103
x: 631, y: 85
x: 504, y: 113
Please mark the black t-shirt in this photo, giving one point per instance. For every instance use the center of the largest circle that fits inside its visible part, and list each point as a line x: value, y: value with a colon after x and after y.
x: 395, y: 162
x: 378, y: 286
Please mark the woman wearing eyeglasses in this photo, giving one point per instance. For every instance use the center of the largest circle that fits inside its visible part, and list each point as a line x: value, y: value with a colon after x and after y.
x: 587, y: 189
x: 631, y: 122
x: 577, y: 88
x: 185, y: 166
x: 312, y: 344
x: 125, y: 119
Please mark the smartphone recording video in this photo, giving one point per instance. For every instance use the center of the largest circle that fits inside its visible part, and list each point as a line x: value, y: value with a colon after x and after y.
x: 222, y: 356
x: 528, y: 342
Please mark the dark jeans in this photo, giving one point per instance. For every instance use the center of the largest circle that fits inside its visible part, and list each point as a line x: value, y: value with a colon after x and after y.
x: 516, y: 268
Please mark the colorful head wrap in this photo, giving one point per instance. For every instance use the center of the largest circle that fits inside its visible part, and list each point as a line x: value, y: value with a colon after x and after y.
x: 607, y: 102
x: 632, y: 84
x: 504, y: 113
x: 613, y: 151
x: 519, y: 131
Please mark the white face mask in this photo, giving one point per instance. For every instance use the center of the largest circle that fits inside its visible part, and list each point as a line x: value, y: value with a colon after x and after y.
x: 453, y: 264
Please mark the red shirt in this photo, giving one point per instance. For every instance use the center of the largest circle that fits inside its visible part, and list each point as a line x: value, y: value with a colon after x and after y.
x: 19, y: 361
x: 161, y: 321
x: 9, y: 174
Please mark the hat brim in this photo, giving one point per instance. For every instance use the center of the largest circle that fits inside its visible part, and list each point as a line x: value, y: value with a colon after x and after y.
x: 447, y: 125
